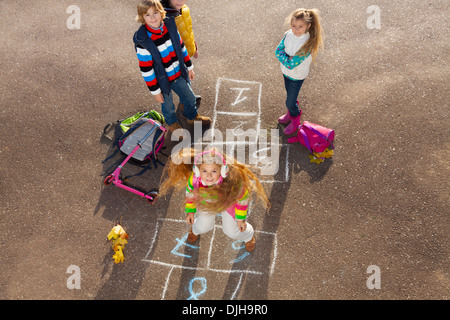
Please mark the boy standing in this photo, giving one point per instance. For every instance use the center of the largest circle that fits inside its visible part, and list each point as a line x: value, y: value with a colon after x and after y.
x: 165, y: 64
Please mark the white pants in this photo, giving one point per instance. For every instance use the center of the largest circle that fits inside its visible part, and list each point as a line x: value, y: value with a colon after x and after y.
x: 205, y: 222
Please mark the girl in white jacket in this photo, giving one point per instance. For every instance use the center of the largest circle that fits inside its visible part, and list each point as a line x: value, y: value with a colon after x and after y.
x: 296, y: 51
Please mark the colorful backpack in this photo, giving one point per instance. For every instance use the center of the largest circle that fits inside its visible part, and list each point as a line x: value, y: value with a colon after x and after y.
x: 129, y: 131
x: 317, y: 139
x: 129, y: 122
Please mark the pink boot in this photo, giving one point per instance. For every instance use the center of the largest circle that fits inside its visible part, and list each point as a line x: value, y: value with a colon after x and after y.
x: 293, y: 126
x: 294, y: 139
x: 286, y: 118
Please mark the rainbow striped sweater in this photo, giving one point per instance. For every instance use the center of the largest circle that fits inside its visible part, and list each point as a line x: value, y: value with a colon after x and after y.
x: 161, y: 38
x: 238, y: 210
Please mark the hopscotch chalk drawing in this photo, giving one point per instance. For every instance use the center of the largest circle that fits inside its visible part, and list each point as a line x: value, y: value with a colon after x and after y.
x: 214, y: 253
x: 237, y: 118
x: 214, y: 257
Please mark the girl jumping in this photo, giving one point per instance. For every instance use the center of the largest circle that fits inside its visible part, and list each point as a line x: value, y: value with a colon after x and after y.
x: 214, y: 185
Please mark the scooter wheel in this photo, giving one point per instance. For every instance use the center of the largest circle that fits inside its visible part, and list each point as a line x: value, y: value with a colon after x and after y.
x: 108, y: 180
x: 153, y: 196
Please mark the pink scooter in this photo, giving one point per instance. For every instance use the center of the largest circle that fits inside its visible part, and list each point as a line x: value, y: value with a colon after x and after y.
x: 155, y: 128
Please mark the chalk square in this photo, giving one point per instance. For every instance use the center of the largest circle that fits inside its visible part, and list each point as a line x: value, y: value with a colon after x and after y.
x: 185, y: 284
x: 214, y: 251
x: 238, y: 96
x: 274, y: 169
x: 170, y: 247
x: 231, y: 255
x: 236, y: 128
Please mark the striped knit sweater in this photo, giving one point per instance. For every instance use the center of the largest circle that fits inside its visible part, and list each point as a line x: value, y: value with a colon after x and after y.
x: 162, y: 41
x: 238, y: 210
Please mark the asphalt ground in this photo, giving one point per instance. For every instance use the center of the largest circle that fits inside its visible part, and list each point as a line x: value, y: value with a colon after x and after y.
x: 370, y: 223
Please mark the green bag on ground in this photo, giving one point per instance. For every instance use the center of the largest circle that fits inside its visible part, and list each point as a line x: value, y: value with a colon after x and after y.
x: 127, y: 123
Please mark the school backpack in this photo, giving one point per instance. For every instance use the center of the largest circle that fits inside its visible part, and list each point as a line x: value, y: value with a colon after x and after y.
x: 131, y: 131
x: 317, y: 139
x: 129, y: 122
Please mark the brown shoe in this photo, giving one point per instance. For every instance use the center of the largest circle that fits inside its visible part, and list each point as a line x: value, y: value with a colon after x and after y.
x: 174, y: 127
x: 198, y: 100
x: 250, y: 245
x: 192, y: 238
x: 206, y: 121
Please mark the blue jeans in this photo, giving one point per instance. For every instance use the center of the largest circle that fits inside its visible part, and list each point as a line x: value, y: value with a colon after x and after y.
x: 184, y: 91
x: 292, y: 90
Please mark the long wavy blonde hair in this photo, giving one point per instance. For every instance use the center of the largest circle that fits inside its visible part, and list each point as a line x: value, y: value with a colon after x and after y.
x: 315, y: 41
x: 179, y: 168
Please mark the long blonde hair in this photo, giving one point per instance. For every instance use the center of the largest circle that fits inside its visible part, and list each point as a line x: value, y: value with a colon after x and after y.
x: 315, y: 41
x: 179, y: 168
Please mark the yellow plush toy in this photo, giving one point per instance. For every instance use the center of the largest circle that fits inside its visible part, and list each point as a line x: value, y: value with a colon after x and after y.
x: 118, y: 237
x: 319, y: 157
x: 315, y: 159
